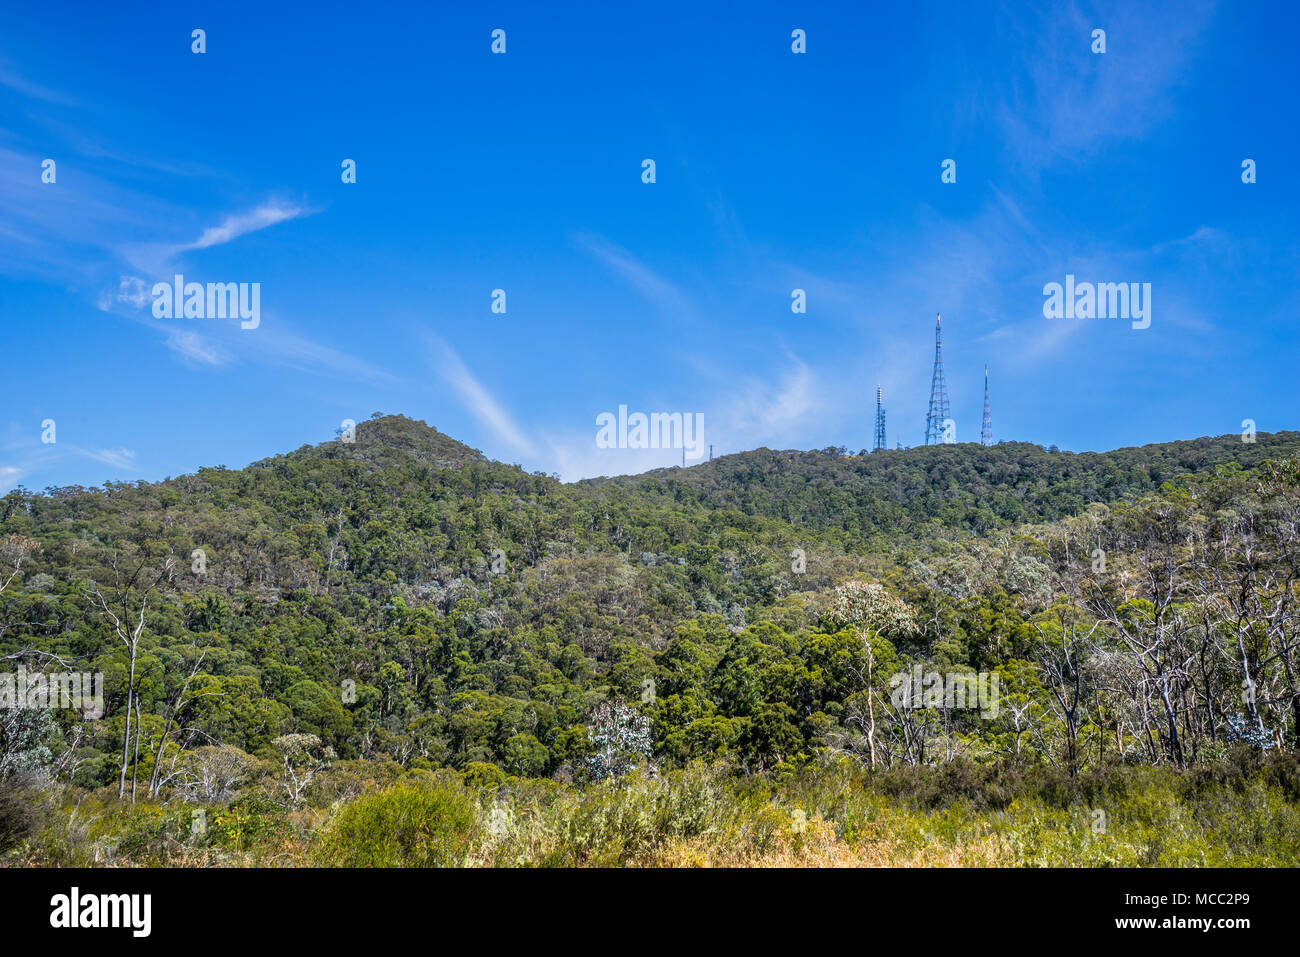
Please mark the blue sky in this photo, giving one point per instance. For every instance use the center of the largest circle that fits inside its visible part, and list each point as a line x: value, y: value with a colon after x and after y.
x: 522, y: 172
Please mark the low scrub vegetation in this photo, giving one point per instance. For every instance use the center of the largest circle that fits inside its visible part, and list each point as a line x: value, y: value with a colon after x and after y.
x: 708, y: 816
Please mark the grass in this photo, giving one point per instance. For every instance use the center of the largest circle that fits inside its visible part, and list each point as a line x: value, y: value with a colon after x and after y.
x: 833, y: 815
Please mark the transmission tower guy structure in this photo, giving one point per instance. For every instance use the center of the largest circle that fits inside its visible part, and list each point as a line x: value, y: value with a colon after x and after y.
x: 880, y: 423
x: 939, y: 413
x: 986, y: 430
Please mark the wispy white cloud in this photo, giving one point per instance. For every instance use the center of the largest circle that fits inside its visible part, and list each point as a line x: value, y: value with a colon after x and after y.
x: 1072, y: 102
x: 70, y: 230
x: 763, y: 414
x: 240, y: 224
x: 573, y: 454
x: 10, y: 475
x: 1206, y: 238
x: 478, y: 401
x: 209, y: 343
x: 117, y: 458
x: 132, y: 290
x: 27, y: 458
x: 12, y: 79
x: 275, y: 345
x: 197, y: 349
x: 775, y: 413
x: 157, y: 258
x: 659, y: 291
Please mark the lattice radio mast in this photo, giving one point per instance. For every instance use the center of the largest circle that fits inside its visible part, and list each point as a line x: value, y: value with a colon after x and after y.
x: 939, y: 412
x: 880, y: 422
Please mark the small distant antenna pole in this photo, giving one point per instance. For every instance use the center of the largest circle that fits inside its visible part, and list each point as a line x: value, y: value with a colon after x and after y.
x: 710, y: 453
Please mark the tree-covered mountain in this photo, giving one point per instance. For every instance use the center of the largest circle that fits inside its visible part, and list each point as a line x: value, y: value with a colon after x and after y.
x: 401, y: 599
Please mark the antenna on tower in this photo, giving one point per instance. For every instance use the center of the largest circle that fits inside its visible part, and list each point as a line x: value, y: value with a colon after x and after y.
x: 986, y: 431
x: 938, y: 413
x: 880, y: 422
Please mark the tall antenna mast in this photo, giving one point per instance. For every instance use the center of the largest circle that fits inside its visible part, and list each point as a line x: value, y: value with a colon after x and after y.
x: 880, y: 422
x: 986, y: 431
x: 938, y: 413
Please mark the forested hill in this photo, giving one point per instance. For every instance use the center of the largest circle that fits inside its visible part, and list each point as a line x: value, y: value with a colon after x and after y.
x: 388, y: 441
x: 483, y: 612
x: 403, y: 496
x: 958, y: 487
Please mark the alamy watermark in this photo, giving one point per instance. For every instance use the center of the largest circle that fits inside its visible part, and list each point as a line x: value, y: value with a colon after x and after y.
x: 929, y: 689
x: 1103, y: 300
x: 215, y: 300
x: 658, y: 430
x: 130, y: 911
x: 80, y: 691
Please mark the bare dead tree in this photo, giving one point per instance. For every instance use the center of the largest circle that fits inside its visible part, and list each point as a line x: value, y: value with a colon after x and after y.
x: 1062, y: 660
x: 175, y: 707
x: 127, y: 621
x: 14, y: 551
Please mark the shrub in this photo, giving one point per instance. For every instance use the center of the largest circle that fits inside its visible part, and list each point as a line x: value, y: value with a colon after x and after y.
x: 24, y: 807
x: 404, y: 826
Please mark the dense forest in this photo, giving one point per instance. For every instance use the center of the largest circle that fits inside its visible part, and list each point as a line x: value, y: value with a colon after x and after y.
x: 947, y: 654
